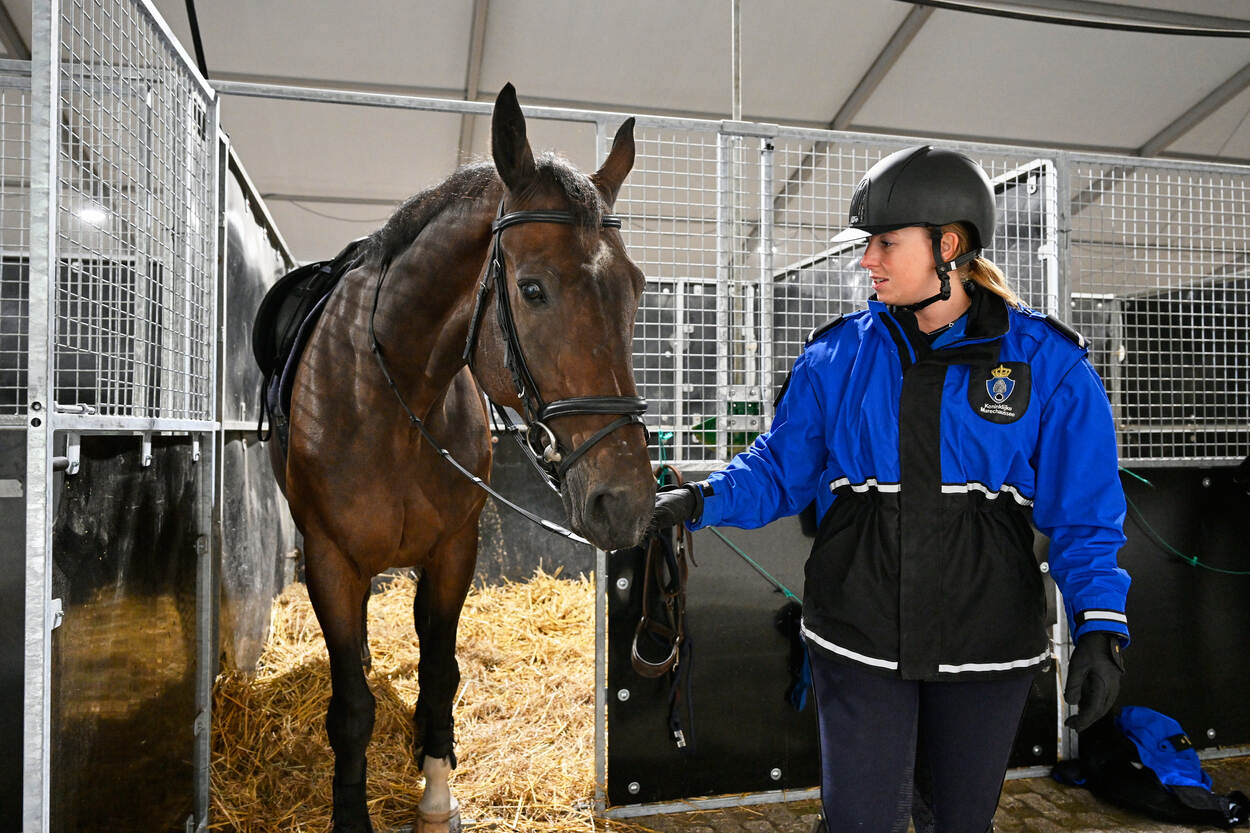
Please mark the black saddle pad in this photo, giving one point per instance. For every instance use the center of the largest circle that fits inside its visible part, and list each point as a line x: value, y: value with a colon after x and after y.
x: 289, y: 302
x: 285, y: 320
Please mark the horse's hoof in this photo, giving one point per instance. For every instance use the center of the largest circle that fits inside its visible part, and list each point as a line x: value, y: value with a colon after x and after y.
x: 448, y: 822
x: 352, y: 827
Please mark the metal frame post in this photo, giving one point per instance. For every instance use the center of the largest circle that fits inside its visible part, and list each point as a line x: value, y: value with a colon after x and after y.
x: 40, y: 415
x: 765, y: 353
x: 724, y: 277
x: 602, y: 137
x: 209, y: 463
x: 1063, y: 199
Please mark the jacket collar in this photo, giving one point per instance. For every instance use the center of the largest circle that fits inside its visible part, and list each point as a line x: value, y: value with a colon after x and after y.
x: 988, y: 321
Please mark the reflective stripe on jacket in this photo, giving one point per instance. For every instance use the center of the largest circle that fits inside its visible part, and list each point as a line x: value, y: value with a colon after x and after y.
x: 926, y: 467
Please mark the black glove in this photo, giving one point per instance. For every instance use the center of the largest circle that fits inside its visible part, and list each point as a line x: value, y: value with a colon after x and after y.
x: 1093, y: 677
x: 675, y: 505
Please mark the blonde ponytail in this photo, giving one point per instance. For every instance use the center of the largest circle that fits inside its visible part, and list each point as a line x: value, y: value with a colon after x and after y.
x: 981, y: 271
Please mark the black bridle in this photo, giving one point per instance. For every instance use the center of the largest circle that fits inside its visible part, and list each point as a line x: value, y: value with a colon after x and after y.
x: 543, y: 451
x: 544, y: 448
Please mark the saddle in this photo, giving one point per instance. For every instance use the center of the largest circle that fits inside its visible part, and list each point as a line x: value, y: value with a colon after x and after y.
x: 284, y: 321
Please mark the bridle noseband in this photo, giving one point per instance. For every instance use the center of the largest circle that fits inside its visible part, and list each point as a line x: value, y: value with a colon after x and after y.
x: 540, y: 440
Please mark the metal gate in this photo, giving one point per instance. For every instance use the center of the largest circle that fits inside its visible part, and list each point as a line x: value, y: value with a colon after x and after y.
x: 114, y: 388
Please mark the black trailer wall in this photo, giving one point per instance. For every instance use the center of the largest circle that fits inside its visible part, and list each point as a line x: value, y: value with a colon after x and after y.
x: 126, y: 542
x: 12, y: 617
x: 257, y: 539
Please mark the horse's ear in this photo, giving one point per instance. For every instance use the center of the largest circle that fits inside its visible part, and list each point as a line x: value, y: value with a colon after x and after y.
x: 513, y: 158
x: 618, y: 164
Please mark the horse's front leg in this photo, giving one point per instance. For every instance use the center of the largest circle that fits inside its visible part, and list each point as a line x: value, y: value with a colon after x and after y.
x: 338, y: 594
x: 436, y: 613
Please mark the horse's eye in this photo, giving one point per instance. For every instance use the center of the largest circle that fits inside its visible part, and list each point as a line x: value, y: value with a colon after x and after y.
x: 532, y: 292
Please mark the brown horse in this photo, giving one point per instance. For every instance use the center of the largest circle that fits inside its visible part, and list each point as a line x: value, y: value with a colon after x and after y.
x: 369, y: 491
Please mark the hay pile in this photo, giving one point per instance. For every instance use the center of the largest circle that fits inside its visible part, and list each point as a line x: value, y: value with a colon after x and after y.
x: 524, y: 718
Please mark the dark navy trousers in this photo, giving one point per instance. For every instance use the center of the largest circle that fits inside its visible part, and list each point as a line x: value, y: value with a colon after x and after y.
x: 873, y: 727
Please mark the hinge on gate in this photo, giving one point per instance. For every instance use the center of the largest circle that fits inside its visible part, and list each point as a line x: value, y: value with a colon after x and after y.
x: 1048, y: 249
x: 56, y: 614
x: 195, y: 448
x: 145, y: 448
x: 200, y: 726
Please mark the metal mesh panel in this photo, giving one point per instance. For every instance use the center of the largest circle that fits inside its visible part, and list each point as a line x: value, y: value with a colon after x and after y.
x: 1160, y: 276
x: 14, y: 259
x: 133, y: 307
x: 733, y: 233
x: 669, y: 207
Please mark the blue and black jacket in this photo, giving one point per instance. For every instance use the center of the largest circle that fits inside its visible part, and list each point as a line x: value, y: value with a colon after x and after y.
x: 926, y: 461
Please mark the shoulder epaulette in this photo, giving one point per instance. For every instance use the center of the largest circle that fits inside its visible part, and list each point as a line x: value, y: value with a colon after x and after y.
x: 823, y: 328
x: 1068, y: 333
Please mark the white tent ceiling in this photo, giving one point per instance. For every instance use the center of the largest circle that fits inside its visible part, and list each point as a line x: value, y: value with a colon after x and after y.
x: 333, y: 172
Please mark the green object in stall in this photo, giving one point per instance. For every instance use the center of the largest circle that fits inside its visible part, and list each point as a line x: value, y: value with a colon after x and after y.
x: 705, y: 430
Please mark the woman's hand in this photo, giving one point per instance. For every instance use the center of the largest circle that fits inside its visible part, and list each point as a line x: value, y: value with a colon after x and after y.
x: 1093, y: 677
x: 675, y: 505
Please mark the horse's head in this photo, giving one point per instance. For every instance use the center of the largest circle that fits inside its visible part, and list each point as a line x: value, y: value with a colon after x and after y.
x: 573, y: 293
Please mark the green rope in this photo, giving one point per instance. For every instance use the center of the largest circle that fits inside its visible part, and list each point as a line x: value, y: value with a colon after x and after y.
x: 1162, y: 542
x: 785, y: 590
x: 665, y: 437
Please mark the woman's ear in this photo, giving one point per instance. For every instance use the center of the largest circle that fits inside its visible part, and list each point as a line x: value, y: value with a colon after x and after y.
x: 950, y: 246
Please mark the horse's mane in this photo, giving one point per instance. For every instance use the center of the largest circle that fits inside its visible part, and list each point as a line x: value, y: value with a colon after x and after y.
x: 467, y: 185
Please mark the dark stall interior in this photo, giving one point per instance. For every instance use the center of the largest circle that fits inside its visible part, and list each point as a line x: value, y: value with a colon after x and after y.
x: 125, y: 542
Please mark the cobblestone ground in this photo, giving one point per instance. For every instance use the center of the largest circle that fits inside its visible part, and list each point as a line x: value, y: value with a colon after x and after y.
x: 1028, y: 805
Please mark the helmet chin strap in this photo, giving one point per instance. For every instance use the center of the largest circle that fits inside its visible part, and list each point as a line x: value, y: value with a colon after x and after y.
x: 944, y: 269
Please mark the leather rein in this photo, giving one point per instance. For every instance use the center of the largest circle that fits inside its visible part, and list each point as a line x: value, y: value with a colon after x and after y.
x: 543, y: 448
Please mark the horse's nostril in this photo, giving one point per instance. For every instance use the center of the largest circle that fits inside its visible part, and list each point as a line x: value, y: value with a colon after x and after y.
x: 603, y: 503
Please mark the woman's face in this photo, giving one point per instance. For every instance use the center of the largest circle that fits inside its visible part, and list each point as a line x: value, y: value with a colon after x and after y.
x: 900, y: 263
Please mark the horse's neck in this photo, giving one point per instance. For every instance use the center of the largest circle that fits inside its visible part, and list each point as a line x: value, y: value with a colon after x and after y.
x: 427, y: 301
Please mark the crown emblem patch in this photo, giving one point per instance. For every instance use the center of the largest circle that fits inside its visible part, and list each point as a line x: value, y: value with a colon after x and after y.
x: 1000, y: 385
x: 1000, y: 393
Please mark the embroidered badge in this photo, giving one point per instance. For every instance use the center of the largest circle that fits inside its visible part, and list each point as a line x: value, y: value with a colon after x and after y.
x: 1000, y: 393
x: 1001, y: 386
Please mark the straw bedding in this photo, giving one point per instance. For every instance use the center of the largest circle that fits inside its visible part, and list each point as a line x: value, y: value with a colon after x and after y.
x: 524, y: 715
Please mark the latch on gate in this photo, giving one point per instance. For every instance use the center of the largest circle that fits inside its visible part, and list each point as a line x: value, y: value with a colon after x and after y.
x: 195, y: 448
x: 145, y: 448
x: 56, y: 614
x: 73, y: 453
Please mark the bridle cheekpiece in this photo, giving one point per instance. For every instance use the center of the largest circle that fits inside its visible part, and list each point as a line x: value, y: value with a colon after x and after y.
x: 540, y: 441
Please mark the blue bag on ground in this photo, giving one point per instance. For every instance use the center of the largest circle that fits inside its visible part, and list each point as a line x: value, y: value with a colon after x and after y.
x: 1142, y: 760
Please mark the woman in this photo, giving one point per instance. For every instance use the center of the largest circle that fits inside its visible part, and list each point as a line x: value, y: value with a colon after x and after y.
x: 930, y: 429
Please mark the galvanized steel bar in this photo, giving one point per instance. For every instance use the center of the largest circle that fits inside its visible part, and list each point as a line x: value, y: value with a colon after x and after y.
x: 148, y: 8
x: 1063, y: 205
x: 603, y: 144
x: 766, y: 289
x: 724, y: 278
x: 601, y: 680
x: 735, y: 58
x: 209, y: 496
x: 44, y: 154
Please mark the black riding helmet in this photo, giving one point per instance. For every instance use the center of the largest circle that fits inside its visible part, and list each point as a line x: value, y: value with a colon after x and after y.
x: 924, y: 186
